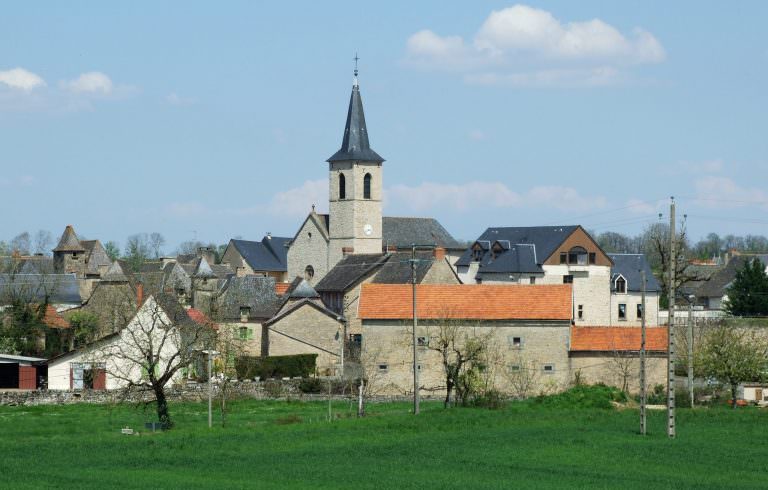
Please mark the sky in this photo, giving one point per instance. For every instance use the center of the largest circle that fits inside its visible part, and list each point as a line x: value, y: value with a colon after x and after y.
x: 212, y: 121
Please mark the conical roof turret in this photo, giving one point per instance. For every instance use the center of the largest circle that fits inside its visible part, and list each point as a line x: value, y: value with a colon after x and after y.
x: 69, y: 241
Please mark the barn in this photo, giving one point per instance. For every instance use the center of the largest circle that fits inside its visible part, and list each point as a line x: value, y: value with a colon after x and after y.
x: 20, y: 372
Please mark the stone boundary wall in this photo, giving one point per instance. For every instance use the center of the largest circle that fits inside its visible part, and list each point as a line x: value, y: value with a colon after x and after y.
x: 193, y: 392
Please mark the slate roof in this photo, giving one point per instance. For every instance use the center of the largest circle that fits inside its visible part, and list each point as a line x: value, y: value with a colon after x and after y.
x: 545, y: 240
x: 114, y: 274
x: 303, y: 290
x: 466, y: 302
x: 610, y: 339
x: 719, y: 281
x: 36, y: 265
x: 97, y: 256
x: 203, y: 270
x: 69, y: 242
x: 349, y: 271
x: 629, y: 266
x: 33, y: 288
x: 403, y: 232
x: 270, y: 254
x: 397, y: 268
x: 520, y: 258
x: 255, y: 292
x: 355, y: 145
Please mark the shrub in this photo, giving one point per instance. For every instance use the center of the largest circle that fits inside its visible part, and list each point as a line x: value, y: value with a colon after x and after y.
x: 491, y: 399
x: 301, y: 365
x: 585, y: 396
x: 311, y: 385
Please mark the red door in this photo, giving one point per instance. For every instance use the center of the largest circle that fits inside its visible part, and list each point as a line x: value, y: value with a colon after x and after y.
x: 27, y: 377
x: 100, y: 379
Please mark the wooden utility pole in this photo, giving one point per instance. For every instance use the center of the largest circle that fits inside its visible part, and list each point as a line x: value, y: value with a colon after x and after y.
x: 643, y: 393
x: 415, y: 324
x: 690, y: 348
x: 671, y: 324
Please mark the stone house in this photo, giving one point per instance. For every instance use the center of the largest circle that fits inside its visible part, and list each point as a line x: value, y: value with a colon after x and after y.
x: 87, y: 259
x: 269, y: 257
x: 527, y: 330
x: 713, y: 293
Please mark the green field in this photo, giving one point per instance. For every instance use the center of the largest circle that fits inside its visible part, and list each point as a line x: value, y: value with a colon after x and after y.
x: 292, y: 445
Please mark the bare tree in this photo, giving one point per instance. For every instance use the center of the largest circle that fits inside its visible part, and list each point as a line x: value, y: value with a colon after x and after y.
x: 43, y: 242
x: 230, y: 345
x: 21, y: 243
x: 522, y: 376
x: 156, y: 242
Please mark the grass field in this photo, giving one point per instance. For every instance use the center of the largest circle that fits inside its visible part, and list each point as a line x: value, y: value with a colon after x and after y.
x: 291, y: 445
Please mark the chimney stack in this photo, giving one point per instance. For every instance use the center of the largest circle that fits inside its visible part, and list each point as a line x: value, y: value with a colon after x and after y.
x: 439, y: 253
x: 139, y: 294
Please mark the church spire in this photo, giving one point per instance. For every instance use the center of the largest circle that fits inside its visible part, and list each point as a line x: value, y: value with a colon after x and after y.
x: 355, y: 144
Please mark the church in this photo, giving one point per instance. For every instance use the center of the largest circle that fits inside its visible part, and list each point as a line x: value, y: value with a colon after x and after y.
x: 354, y: 224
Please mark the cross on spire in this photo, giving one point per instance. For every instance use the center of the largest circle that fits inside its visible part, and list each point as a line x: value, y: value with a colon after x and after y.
x: 356, y: 58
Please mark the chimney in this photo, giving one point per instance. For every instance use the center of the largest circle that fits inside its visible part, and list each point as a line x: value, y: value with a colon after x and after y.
x: 207, y: 252
x: 240, y: 271
x: 269, y: 235
x: 391, y: 248
x: 439, y: 253
x: 347, y: 250
x: 139, y: 294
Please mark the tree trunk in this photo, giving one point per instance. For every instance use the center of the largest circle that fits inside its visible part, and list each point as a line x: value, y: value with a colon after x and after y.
x: 224, y: 393
x: 448, y: 389
x: 162, y: 407
x: 734, y: 388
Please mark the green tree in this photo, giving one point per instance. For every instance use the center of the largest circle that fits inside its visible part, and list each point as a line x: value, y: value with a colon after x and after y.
x: 112, y: 249
x: 748, y: 294
x: 85, y: 328
x: 734, y: 355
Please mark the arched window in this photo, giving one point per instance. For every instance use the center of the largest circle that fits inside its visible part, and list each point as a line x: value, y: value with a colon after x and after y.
x: 367, y: 186
x: 309, y: 273
x: 342, y: 187
x: 577, y: 256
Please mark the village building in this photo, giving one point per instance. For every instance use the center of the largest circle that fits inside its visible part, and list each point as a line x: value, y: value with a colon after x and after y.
x: 269, y: 257
x: 87, y: 259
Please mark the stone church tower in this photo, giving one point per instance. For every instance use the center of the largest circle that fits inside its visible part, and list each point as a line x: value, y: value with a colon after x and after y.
x: 355, y: 189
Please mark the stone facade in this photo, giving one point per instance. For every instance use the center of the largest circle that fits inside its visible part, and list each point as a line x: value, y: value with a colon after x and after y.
x: 309, y: 248
x: 609, y: 368
x: 633, y: 302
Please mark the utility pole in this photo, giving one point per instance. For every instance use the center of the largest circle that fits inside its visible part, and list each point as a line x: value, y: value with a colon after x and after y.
x: 671, y: 327
x: 691, y: 299
x: 643, y: 393
x: 415, y: 324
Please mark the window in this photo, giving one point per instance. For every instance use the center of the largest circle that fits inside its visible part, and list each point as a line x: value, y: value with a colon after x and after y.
x: 568, y: 279
x: 548, y: 369
x: 639, y: 311
x: 592, y: 258
x: 356, y: 339
x: 515, y: 342
x: 74, y: 255
x: 477, y: 253
x: 309, y: 272
x: 180, y: 291
x: 621, y: 285
x: 576, y: 256
x: 367, y: 186
x: 581, y: 312
x: 422, y: 341
x: 622, y: 311
x: 563, y: 258
x: 514, y: 368
x: 532, y: 280
x: 245, y: 313
x: 342, y: 187
x: 383, y: 367
x: 245, y: 333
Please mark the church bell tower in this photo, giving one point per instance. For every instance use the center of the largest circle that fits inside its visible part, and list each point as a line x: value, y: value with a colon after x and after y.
x: 355, y: 188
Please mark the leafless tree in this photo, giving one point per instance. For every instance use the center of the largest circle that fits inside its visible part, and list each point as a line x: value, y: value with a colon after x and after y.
x: 522, y: 375
x: 156, y: 243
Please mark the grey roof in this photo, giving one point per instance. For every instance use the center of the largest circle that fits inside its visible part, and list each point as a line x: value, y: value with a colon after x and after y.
x: 114, y: 274
x: 629, y: 266
x: 520, y: 258
x: 355, y: 145
x: 270, y: 254
x: 203, y: 270
x: 255, y: 292
x: 69, y: 242
x: 717, y: 284
x: 303, y: 290
x: 97, y: 256
x: 349, y: 271
x: 403, y: 232
x: 36, y: 265
x: 545, y: 240
x: 397, y: 268
x: 35, y: 288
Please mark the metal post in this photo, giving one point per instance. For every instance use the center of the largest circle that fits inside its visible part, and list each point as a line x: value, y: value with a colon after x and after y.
x: 671, y: 328
x: 415, y: 324
x: 643, y: 393
x: 690, y: 348
x: 210, y: 389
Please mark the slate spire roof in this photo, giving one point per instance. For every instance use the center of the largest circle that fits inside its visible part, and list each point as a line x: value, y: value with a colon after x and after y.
x: 115, y: 274
x: 203, y: 270
x: 355, y: 145
x: 69, y: 242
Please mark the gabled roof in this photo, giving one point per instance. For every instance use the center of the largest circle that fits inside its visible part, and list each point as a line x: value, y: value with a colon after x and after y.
x: 719, y: 281
x: 97, y: 256
x: 404, y: 232
x: 114, y: 273
x: 349, y: 271
x: 303, y: 290
x: 69, y: 242
x: 35, y: 288
x: 546, y: 239
x: 519, y: 258
x: 254, y: 292
x: 397, y: 268
x: 629, y: 266
x: 355, y: 145
x: 318, y: 305
x: 52, y: 318
x: 621, y: 339
x: 466, y: 302
x: 203, y: 270
x: 270, y: 254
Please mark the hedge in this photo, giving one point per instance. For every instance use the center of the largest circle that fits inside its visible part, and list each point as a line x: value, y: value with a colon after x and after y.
x: 298, y: 366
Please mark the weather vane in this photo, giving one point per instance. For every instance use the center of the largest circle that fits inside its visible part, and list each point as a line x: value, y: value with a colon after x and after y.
x: 356, y: 58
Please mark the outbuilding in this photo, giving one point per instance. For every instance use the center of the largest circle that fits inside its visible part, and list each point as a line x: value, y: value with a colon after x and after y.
x: 19, y: 372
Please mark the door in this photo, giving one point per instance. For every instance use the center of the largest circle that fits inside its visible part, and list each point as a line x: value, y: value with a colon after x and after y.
x: 758, y: 394
x: 27, y: 377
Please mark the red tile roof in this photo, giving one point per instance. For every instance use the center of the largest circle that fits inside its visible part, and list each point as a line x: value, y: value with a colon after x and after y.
x: 53, y: 319
x: 201, y: 318
x: 281, y: 287
x: 466, y: 301
x: 604, y: 339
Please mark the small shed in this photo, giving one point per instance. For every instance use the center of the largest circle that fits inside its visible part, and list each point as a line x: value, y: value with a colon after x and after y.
x: 19, y: 372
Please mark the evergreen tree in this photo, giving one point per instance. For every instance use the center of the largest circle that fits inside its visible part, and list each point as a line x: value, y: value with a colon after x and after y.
x: 748, y: 294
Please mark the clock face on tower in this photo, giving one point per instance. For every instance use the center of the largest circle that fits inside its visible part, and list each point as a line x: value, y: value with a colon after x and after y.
x: 367, y: 229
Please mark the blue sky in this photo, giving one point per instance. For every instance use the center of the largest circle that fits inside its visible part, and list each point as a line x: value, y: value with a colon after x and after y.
x: 212, y: 122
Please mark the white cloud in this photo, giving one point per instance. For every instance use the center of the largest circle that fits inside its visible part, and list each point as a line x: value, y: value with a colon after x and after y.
x: 723, y: 192
x: 91, y: 82
x: 21, y: 79
x: 297, y: 202
x: 543, y: 50
x: 481, y: 195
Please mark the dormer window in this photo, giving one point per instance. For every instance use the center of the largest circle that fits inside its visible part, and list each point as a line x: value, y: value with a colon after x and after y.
x: 621, y: 284
x: 245, y: 313
x: 577, y: 256
x: 477, y: 253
